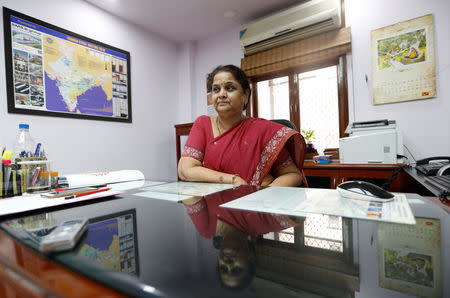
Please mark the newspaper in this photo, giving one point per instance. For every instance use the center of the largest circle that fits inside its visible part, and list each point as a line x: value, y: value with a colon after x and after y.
x: 301, y: 201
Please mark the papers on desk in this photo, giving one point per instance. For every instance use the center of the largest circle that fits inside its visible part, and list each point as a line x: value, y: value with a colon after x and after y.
x: 162, y: 196
x: 301, y: 201
x: 33, y: 202
x: 89, y: 179
x: 182, y: 190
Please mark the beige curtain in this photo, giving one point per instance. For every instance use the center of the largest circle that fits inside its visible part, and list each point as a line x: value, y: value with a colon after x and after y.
x: 308, y: 51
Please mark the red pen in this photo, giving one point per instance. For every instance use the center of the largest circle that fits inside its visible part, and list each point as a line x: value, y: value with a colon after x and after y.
x: 78, y: 188
x: 86, y: 193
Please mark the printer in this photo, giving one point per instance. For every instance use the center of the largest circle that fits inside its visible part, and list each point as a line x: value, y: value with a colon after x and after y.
x: 371, y: 142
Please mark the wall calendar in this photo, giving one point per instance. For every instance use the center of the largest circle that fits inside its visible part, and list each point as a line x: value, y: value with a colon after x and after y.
x: 403, y: 62
x: 409, y: 257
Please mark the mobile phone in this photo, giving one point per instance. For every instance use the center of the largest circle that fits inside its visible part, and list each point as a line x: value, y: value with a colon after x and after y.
x: 64, y: 237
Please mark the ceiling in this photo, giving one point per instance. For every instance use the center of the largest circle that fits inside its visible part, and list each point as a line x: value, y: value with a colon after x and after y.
x: 190, y: 20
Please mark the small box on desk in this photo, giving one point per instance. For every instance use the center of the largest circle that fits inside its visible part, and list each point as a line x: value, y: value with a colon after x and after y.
x: 35, y: 175
x: 322, y: 158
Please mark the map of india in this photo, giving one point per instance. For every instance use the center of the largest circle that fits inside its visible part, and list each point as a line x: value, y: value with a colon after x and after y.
x: 102, y: 244
x: 77, y: 79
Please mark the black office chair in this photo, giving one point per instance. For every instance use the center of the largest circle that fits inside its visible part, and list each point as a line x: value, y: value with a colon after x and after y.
x: 285, y: 123
x: 302, y: 152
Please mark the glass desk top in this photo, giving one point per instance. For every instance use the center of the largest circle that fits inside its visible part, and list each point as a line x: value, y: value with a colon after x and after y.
x: 147, y: 247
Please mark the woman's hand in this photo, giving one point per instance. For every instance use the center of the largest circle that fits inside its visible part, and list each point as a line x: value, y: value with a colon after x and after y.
x: 239, y: 181
x: 190, y: 169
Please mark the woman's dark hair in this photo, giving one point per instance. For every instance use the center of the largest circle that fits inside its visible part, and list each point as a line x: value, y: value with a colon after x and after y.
x: 251, y: 273
x: 238, y: 74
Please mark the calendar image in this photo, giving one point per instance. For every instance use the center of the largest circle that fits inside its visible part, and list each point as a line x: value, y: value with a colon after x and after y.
x: 403, y: 66
x: 402, y: 49
x: 407, y: 266
x: 409, y: 257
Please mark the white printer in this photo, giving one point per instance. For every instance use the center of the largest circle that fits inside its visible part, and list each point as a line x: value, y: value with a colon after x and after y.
x: 374, y: 142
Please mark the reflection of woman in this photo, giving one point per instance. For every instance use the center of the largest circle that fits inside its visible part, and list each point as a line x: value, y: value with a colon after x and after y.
x: 233, y: 149
x: 230, y: 230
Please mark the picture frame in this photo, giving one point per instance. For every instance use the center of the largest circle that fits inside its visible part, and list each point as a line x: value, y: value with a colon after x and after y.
x: 51, y: 71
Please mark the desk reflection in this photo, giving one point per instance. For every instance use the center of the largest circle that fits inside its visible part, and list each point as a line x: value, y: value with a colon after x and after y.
x: 111, y: 242
x: 234, y: 232
x: 198, y: 249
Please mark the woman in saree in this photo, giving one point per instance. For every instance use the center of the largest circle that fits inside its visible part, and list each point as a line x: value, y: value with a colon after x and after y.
x: 231, y: 148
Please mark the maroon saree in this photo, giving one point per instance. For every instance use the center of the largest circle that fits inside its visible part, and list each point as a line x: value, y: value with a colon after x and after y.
x: 250, y: 149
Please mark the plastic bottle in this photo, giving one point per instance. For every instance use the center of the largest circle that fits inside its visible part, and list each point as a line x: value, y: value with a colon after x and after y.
x: 24, y: 142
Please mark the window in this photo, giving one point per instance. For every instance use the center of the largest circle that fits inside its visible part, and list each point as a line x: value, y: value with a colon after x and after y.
x: 319, y: 110
x: 313, y: 99
x: 288, y: 82
x: 322, y: 232
x: 322, y: 247
x: 273, y: 98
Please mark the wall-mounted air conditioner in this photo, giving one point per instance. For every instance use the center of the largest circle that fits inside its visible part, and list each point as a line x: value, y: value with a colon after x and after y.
x: 304, y: 20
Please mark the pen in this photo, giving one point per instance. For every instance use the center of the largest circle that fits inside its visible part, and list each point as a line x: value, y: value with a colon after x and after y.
x: 6, y: 175
x: 35, y: 176
x: 57, y: 190
x: 38, y: 148
x: 86, y: 193
x: 92, y: 192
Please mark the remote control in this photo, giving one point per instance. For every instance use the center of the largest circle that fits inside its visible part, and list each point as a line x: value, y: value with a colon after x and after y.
x: 64, y: 237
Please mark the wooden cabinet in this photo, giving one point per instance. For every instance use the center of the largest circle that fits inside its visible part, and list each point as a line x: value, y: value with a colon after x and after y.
x: 331, y: 175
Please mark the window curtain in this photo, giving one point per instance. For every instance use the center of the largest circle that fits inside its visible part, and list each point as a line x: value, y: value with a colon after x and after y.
x: 307, y: 51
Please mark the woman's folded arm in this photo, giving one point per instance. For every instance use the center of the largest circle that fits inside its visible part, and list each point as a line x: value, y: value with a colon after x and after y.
x: 190, y: 169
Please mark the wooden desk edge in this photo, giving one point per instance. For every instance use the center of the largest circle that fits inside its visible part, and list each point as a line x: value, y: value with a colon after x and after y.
x: 42, y: 276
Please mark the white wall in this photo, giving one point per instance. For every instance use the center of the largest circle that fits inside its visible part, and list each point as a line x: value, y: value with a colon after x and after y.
x: 186, y: 91
x: 78, y: 146
x: 223, y: 48
x: 425, y: 123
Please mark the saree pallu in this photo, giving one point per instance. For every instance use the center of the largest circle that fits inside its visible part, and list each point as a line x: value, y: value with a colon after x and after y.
x: 250, y: 149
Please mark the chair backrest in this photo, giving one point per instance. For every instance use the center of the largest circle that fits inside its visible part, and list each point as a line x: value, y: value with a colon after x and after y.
x: 285, y: 123
x: 291, y: 125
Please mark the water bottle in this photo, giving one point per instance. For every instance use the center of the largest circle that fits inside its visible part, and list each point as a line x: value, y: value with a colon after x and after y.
x: 24, y: 145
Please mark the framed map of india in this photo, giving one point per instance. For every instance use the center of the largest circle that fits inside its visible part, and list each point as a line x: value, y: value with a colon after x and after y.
x: 54, y: 72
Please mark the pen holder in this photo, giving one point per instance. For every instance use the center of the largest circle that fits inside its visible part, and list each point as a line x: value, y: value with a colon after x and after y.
x: 35, y: 175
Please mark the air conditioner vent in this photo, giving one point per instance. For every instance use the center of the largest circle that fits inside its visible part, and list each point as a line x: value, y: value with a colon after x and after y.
x: 299, y: 22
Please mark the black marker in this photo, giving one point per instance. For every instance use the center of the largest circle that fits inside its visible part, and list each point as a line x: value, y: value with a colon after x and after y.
x: 70, y: 197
